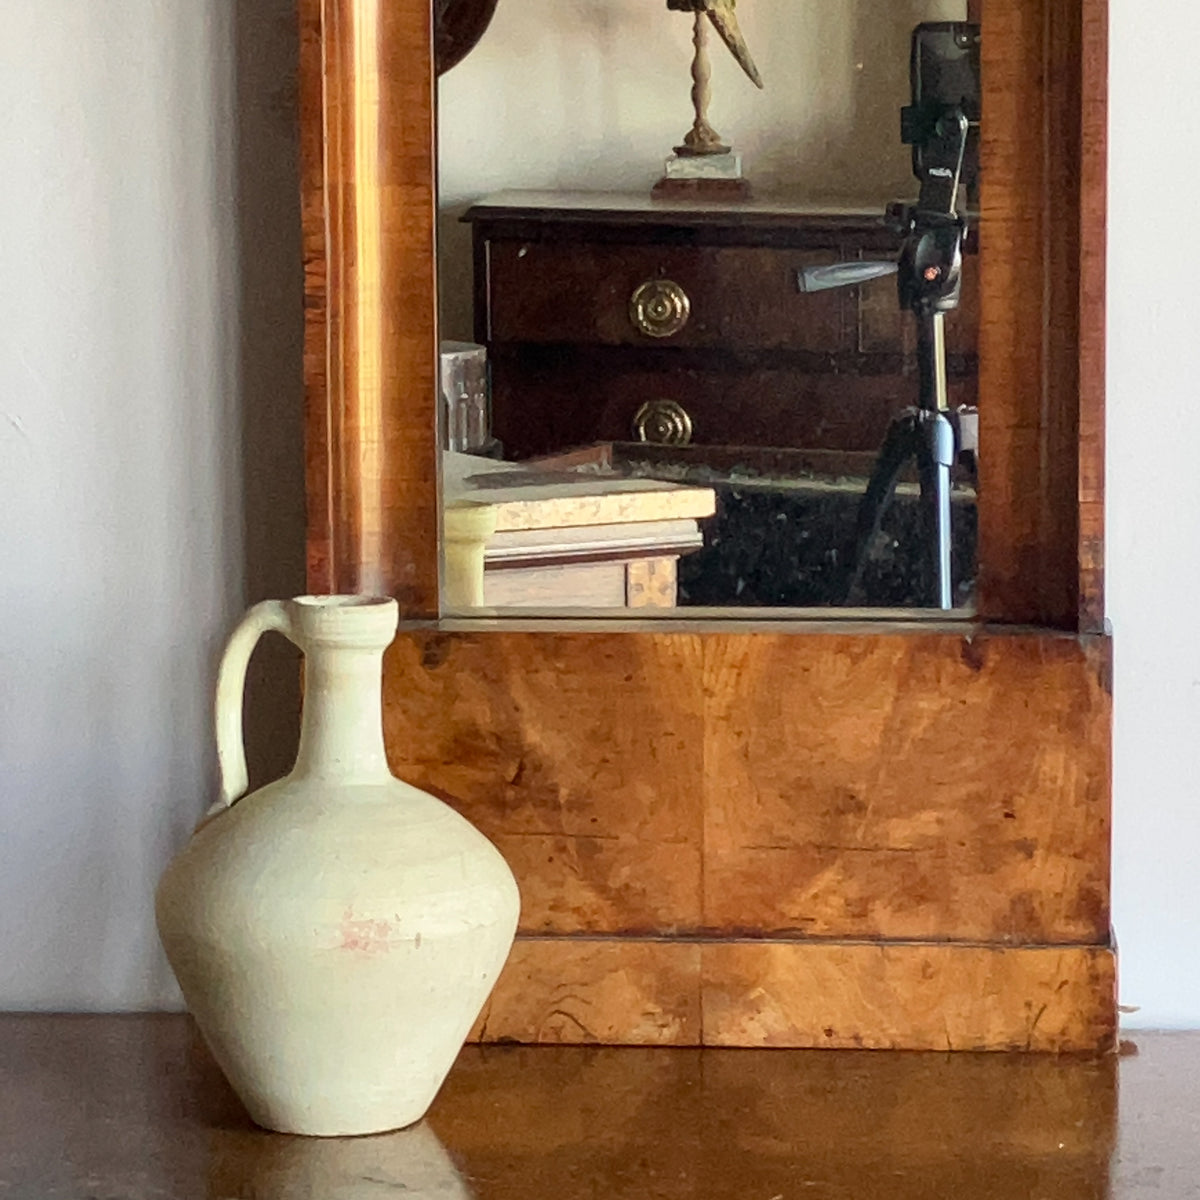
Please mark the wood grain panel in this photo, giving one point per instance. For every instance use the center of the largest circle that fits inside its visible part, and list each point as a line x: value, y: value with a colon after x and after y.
x: 909, y: 785
x: 1093, y: 281
x: 1016, y: 580
x: 576, y: 755
x: 368, y: 155
x: 744, y: 297
x: 1058, y: 999
x: 1042, y: 322
x: 805, y: 994
x: 741, y: 1125
x: 541, y: 408
x: 316, y: 92
x: 927, y: 789
x: 595, y: 991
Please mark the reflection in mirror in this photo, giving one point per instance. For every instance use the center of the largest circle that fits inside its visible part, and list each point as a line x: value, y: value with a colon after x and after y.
x: 695, y: 353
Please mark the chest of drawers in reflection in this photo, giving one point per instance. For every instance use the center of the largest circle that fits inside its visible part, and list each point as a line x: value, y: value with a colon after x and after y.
x: 621, y: 318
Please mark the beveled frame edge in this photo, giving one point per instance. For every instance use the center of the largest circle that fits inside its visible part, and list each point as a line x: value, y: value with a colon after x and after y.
x: 368, y: 150
x: 369, y: 198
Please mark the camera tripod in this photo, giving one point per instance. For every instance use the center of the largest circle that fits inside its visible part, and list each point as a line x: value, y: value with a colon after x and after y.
x: 929, y: 274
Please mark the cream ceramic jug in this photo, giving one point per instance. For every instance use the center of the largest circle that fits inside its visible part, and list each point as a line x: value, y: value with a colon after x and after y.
x: 335, y: 933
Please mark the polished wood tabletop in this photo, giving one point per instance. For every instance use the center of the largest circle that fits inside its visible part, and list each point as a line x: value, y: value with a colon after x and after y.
x: 116, y: 1108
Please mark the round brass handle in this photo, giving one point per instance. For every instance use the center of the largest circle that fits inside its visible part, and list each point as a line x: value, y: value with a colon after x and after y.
x: 659, y: 308
x: 663, y: 422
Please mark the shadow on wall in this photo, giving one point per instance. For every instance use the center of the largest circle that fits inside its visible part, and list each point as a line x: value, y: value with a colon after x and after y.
x: 271, y: 360
x: 456, y: 275
x: 877, y: 108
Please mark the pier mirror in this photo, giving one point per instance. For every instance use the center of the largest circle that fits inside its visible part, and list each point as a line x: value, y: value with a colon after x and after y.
x: 857, y: 827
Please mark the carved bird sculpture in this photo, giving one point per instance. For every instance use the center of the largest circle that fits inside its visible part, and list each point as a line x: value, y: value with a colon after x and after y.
x: 703, y: 140
x: 723, y: 16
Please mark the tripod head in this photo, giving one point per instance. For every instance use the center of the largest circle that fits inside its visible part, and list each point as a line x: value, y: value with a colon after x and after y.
x: 930, y: 266
x: 933, y: 232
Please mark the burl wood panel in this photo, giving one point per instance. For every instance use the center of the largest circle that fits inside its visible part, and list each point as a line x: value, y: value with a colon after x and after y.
x: 910, y: 785
x: 924, y: 788
x: 366, y: 83
x: 805, y: 994
x: 576, y: 755
x: 596, y: 991
x: 1056, y: 999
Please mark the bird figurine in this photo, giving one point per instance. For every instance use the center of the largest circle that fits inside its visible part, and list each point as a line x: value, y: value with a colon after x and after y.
x: 702, y: 139
x: 723, y: 15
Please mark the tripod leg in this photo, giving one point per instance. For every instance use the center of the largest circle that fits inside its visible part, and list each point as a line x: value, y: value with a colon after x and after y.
x: 903, y: 442
x: 936, y: 457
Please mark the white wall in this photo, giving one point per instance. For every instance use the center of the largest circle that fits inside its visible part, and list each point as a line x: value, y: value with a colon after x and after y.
x: 121, y: 537
x: 120, y: 529
x: 149, y: 408
x: 1154, y: 505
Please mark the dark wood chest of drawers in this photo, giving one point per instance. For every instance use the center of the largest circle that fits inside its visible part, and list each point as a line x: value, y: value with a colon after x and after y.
x: 612, y: 318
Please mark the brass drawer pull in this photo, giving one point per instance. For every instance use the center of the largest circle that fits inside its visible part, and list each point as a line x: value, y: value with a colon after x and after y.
x: 659, y: 308
x: 663, y: 423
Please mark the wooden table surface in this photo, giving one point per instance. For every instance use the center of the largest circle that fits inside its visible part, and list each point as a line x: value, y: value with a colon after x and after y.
x: 115, y: 1108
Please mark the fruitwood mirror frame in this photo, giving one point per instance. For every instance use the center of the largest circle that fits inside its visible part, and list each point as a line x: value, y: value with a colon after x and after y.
x: 826, y: 833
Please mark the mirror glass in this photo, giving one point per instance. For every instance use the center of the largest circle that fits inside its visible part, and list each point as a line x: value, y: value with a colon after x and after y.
x: 709, y: 345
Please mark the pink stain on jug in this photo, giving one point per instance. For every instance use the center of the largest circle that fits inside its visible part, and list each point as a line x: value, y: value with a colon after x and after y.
x: 369, y: 937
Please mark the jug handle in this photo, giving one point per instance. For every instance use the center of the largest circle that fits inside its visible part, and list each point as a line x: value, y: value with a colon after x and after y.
x: 270, y: 615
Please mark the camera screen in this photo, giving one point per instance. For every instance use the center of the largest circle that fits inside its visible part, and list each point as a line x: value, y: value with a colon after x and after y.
x: 946, y: 67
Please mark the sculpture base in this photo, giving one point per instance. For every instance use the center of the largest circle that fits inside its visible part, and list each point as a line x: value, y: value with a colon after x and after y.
x: 669, y: 188
x: 716, y: 176
x: 689, y: 164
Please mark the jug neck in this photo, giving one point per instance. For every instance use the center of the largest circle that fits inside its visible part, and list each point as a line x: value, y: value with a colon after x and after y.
x: 341, y: 733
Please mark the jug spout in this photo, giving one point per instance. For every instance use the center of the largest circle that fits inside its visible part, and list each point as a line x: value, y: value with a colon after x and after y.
x: 343, y: 639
